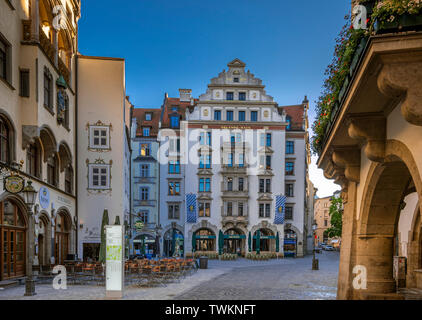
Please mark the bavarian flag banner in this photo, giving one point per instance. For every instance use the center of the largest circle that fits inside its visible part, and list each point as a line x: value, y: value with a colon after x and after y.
x: 280, y: 205
x: 191, y: 208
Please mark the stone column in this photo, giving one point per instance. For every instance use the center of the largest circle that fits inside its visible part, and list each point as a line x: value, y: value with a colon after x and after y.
x: 56, y: 46
x: 35, y: 20
x: 375, y: 253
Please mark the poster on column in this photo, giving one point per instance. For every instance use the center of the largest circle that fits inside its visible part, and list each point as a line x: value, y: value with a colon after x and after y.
x: 114, y: 261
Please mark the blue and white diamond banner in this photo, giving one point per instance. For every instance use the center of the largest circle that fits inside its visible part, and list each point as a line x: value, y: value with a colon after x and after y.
x: 191, y: 208
x: 280, y: 206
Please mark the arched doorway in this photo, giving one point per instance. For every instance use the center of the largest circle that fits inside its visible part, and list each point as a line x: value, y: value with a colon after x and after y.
x: 13, y: 240
x: 267, y: 240
x: 173, y: 243
x: 145, y: 244
x: 62, y: 235
x: 234, y: 241
x: 290, y: 243
x: 387, y: 186
x: 205, y: 240
x: 43, y: 237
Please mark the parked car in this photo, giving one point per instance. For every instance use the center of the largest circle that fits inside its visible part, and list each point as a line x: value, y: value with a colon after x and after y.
x: 329, y: 248
x: 318, y: 249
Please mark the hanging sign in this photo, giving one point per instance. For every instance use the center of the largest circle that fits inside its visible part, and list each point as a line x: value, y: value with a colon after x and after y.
x: 14, y: 184
x: 44, y: 196
x: 114, y: 261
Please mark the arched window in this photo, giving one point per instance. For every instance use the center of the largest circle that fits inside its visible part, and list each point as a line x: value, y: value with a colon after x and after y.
x: 62, y: 233
x: 52, y: 170
x: 4, y: 141
x: 68, y: 179
x: 33, y: 160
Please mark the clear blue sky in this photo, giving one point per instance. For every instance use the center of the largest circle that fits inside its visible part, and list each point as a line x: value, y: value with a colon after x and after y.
x: 172, y: 44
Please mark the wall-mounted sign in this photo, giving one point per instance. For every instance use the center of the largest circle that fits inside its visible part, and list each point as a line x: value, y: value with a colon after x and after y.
x: 44, y: 196
x: 114, y: 261
x: 14, y: 184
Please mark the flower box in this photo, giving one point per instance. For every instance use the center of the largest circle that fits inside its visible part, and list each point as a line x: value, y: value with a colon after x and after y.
x: 402, y: 23
x: 358, y: 53
x: 343, y: 89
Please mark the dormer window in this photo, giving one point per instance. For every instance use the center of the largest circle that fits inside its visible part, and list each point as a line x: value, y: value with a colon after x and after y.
x: 146, y: 132
x: 236, y: 80
x: 174, y: 109
x: 148, y: 117
x: 174, y: 121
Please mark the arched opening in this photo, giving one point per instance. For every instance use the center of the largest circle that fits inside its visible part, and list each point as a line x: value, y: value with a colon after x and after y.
x: 145, y: 244
x: 62, y: 237
x: 381, y: 226
x: 43, y: 240
x: 266, y: 242
x: 68, y: 179
x: 53, y: 170
x: 48, y: 142
x: 205, y: 240
x: 173, y: 243
x: 13, y: 240
x: 6, y: 140
x: 290, y: 243
x: 33, y: 159
x: 234, y: 241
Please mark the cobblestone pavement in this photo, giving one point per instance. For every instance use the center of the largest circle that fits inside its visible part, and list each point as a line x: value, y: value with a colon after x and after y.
x: 288, y: 279
x: 282, y: 279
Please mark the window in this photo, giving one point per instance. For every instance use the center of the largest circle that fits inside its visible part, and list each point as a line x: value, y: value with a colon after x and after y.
x: 99, y: 137
x: 24, y: 83
x: 174, y: 166
x: 144, y: 193
x: 229, y: 184
x: 4, y: 142
x: 289, y: 189
x: 48, y: 89
x: 146, y: 132
x: 229, y: 116
x: 99, y: 176
x: 204, y: 209
x: 205, y: 138
x: 230, y: 158
x: 240, y: 184
x: 242, y: 96
x: 229, y: 211
x: 217, y: 115
x: 267, y: 210
x: 229, y: 96
x: 4, y: 60
x: 236, y: 80
x: 144, y: 216
x: 241, y: 160
x: 268, y: 162
x: 264, y: 185
x: 240, y: 209
x: 242, y: 116
x: 52, y: 170
x: 148, y: 116
x: 290, y: 168
x: 174, y: 144
x: 261, y: 210
x: 68, y: 180
x: 174, y: 122
x: 174, y: 211
x: 174, y: 108
x: 268, y: 140
x: 205, y: 161
x: 145, y: 170
x: 289, y: 213
x: 290, y: 147
x: 289, y: 123
x: 145, y: 150
x: 254, y: 116
x: 262, y: 140
x: 174, y: 188
x: 325, y: 223
x: 204, y: 184
x: 33, y: 160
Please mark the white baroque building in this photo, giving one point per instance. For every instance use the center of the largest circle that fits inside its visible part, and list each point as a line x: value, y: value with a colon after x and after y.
x: 233, y: 161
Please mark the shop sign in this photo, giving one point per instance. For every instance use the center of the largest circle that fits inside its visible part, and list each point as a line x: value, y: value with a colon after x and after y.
x: 114, y: 261
x: 14, y: 184
x: 238, y: 236
x: 44, y: 196
x: 265, y: 237
x: 205, y: 237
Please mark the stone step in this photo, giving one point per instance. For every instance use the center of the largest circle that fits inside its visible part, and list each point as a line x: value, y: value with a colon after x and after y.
x: 9, y: 284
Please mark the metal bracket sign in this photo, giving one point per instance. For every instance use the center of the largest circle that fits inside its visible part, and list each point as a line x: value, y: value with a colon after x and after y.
x: 114, y: 261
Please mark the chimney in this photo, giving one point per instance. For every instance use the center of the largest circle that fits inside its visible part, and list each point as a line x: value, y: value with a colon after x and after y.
x: 185, y: 95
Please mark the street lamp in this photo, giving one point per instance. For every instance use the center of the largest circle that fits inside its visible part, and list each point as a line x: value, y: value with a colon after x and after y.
x: 30, y: 195
x: 157, y: 230
x: 315, y: 262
